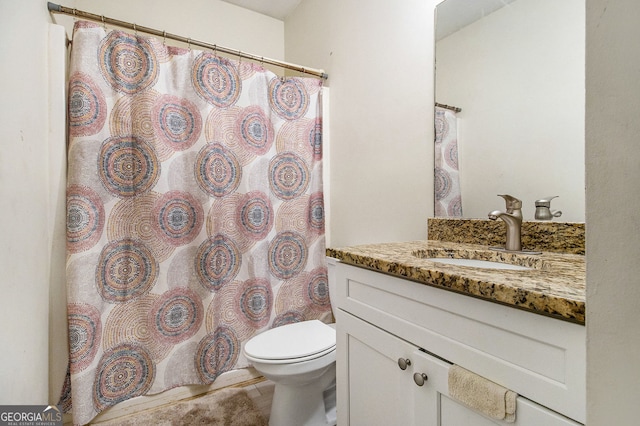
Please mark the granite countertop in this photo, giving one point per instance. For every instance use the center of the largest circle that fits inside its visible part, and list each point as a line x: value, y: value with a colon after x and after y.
x: 555, y: 286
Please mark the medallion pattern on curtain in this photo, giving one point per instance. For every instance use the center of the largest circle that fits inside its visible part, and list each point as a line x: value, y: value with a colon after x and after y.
x: 195, y: 215
x: 448, y: 200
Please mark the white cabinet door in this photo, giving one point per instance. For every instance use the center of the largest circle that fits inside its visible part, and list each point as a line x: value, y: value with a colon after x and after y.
x: 528, y: 413
x: 378, y: 392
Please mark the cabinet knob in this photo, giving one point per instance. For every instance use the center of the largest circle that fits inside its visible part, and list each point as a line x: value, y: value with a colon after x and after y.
x: 420, y: 378
x: 403, y: 363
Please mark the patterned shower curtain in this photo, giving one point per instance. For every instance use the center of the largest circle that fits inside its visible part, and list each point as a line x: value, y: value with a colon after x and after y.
x: 448, y: 201
x: 195, y: 216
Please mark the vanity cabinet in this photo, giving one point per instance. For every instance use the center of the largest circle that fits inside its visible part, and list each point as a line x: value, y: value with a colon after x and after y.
x: 397, y: 339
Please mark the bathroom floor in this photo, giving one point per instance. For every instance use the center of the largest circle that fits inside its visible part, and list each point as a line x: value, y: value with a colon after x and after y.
x: 262, y: 394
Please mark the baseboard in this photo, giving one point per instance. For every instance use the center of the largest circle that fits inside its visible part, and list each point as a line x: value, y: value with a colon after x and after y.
x: 142, y: 403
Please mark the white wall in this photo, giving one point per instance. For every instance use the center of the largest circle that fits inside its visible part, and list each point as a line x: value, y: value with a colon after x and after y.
x: 379, y: 56
x: 24, y: 183
x: 613, y: 212
x: 518, y: 75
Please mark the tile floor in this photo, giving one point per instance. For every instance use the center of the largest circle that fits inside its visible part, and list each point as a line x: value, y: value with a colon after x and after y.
x: 261, y: 393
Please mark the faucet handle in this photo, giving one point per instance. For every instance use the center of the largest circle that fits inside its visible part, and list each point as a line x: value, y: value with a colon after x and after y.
x: 545, y: 202
x: 512, y: 202
x: 543, y: 211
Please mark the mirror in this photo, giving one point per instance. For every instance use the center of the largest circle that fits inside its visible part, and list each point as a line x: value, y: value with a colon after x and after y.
x: 516, y: 69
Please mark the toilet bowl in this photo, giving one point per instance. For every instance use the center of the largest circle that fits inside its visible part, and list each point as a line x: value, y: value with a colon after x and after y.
x: 300, y: 359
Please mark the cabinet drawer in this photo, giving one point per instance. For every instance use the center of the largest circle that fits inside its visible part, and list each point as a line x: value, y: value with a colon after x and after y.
x: 538, y: 357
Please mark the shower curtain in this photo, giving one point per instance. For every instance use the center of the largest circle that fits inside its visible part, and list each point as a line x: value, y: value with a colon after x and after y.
x: 448, y: 201
x: 195, y: 215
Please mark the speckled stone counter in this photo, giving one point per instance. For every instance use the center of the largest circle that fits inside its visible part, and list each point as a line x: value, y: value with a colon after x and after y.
x: 559, y: 237
x: 554, y: 286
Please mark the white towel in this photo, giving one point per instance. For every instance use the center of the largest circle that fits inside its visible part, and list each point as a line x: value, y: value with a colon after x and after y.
x: 482, y: 395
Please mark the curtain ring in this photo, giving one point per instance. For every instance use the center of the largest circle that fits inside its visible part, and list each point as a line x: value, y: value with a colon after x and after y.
x: 189, y: 44
x: 164, y: 37
x: 104, y: 25
x: 215, y: 50
x: 135, y: 29
x: 239, y: 58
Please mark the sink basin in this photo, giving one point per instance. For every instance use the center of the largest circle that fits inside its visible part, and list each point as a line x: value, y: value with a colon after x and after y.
x: 482, y: 258
x: 476, y: 263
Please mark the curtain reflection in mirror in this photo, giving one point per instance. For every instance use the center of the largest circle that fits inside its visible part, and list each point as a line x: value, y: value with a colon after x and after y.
x: 448, y: 202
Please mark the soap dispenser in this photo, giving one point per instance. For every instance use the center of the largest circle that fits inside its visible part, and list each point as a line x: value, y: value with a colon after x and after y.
x: 543, y: 209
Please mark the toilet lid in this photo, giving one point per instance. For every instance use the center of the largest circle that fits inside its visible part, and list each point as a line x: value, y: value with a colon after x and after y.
x: 291, y: 341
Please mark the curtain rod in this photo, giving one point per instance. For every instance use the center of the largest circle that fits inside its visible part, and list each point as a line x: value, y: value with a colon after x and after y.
x: 452, y: 108
x: 56, y: 8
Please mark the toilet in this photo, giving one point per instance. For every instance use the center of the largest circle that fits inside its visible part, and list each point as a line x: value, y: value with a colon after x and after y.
x: 300, y: 358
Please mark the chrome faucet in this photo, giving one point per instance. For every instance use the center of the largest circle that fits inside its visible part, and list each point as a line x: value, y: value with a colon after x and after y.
x: 513, y: 219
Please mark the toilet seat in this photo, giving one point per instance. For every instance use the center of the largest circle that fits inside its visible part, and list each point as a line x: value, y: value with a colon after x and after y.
x: 292, y: 361
x: 297, y: 342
